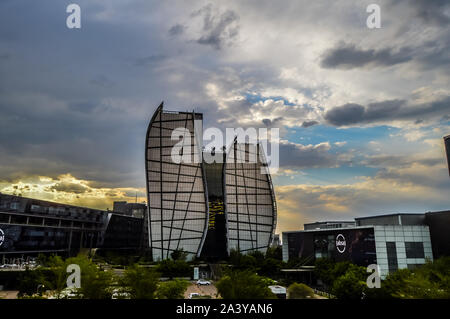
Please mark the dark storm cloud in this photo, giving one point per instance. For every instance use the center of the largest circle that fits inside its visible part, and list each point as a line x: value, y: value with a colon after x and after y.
x: 177, y: 29
x: 385, y: 111
x: 277, y: 122
x: 307, y: 124
x: 219, y: 29
x: 348, y: 56
x: 69, y: 188
x: 297, y: 156
x: 70, y: 101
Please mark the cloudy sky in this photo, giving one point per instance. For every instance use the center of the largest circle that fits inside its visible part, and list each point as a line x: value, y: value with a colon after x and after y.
x: 361, y: 111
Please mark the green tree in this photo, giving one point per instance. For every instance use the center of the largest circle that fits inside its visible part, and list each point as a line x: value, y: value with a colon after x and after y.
x: 96, y: 283
x: 324, y: 270
x: 56, y: 274
x: 174, y: 268
x: 32, y: 282
x: 300, y: 291
x: 173, y: 289
x: 275, y: 253
x: 352, y: 284
x: 244, y: 285
x: 242, y: 262
x: 140, y: 282
x: 270, y: 267
x: 179, y: 254
x: 430, y: 281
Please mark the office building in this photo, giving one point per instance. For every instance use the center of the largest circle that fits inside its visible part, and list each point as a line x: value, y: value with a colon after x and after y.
x: 206, y: 209
x: 29, y: 227
x: 130, y: 209
x: 392, y: 241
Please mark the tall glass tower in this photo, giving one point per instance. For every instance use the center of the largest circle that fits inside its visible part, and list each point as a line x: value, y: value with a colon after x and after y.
x: 206, y: 209
x: 176, y: 192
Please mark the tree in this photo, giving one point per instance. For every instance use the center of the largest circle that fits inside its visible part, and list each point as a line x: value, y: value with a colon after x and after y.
x: 242, y: 262
x: 173, y: 289
x: 275, y: 253
x: 140, y: 282
x: 270, y: 267
x: 430, y: 281
x: 96, y: 283
x: 30, y: 282
x: 324, y: 269
x: 179, y: 254
x: 300, y: 291
x: 350, y: 285
x: 174, y: 268
x: 244, y: 285
x: 57, y: 274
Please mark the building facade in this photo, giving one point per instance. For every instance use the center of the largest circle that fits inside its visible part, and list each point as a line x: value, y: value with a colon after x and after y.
x: 250, y: 199
x: 178, y: 202
x: 29, y: 227
x: 206, y: 209
x: 392, y: 242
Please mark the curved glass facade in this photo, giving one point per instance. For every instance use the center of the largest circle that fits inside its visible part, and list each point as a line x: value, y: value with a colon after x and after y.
x: 250, y: 200
x: 204, y: 209
x: 178, y: 209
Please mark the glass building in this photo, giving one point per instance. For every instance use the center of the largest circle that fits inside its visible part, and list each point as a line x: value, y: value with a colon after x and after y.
x: 206, y: 209
x: 250, y: 199
x: 177, y: 196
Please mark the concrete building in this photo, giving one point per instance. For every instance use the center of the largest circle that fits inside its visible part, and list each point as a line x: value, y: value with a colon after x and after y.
x: 29, y: 227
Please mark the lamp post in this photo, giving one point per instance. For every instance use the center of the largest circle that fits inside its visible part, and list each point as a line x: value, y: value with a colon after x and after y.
x: 39, y: 286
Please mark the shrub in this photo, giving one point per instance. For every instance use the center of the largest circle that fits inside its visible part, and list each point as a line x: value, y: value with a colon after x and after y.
x: 300, y: 291
x: 140, y: 282
x: 173, y: 289
x: 244, y: 285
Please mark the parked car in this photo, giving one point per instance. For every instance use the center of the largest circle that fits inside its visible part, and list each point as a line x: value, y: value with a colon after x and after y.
x: 202, y: 282
x: 117, y: 294
x: 193, y: 295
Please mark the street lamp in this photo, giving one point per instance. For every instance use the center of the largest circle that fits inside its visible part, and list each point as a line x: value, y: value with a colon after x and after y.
x: 39, y: 286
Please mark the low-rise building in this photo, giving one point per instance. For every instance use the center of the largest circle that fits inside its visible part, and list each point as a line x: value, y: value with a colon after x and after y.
x: 393, y: 241
x: 29, y: 227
